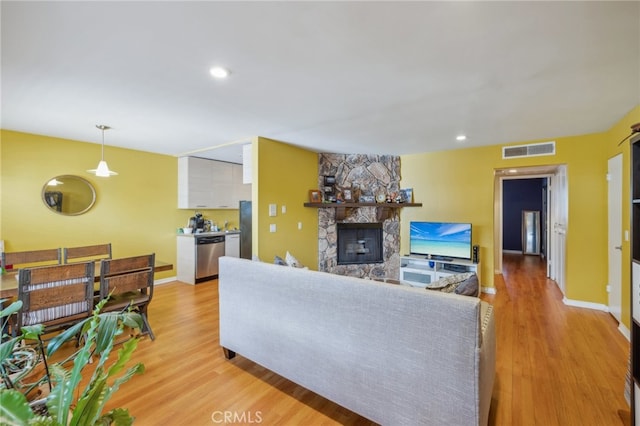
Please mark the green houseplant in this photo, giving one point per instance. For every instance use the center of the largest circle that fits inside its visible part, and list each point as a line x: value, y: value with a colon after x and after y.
x: 99, y: 331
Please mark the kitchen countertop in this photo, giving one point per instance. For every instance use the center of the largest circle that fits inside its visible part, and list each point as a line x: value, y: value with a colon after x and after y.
x: 209, y: 234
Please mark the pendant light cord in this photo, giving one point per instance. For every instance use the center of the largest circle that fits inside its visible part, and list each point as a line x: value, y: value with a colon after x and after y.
x: 103, y: 128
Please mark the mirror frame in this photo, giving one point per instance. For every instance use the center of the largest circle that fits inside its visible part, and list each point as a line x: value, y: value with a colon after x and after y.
x: 78, y: 178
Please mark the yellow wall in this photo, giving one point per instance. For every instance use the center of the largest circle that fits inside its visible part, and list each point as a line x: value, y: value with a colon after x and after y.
x: 285, y: 175
x: 458, y: 186
x: 136, y: 211
x: 613, y: 137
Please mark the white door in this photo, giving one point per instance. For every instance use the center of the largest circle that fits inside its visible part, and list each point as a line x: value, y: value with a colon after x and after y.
x: 559, y: 219
x: 614, y: 177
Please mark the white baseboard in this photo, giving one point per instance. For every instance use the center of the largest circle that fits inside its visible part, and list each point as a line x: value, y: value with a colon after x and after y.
x: 583, y: 304
x: 625, y: 331
x: 164, y: 280
x: 488, y: 290
x: 512, y: 251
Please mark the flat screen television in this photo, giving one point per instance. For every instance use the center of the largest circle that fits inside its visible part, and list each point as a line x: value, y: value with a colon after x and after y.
x: 441, y: 240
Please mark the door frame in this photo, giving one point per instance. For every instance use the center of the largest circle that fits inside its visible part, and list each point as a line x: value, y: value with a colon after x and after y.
x: 552, y: 173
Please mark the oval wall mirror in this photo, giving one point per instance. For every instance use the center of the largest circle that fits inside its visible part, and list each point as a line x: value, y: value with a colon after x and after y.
x: 68, y: 195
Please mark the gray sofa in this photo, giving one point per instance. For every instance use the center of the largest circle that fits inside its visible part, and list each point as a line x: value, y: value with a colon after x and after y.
x: 394, y: 354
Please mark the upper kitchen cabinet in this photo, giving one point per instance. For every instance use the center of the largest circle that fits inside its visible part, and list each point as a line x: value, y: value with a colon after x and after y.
x: 242, y: 190
x: 210, y: 184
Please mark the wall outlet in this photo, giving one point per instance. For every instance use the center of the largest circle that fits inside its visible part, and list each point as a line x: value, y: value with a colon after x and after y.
x: 272, y: 227
x: 608, y: 289
x: 299, y: 225
x: 283, y: 209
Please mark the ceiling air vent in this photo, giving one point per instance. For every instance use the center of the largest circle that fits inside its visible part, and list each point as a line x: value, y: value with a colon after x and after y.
x: 531, y: 150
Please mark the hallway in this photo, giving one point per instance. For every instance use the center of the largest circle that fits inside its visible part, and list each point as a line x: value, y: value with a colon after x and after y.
x: 556, y: 364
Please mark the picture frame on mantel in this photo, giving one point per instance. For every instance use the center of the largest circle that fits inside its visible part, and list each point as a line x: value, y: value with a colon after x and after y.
x: 406, y: 195
x: 315, y: 196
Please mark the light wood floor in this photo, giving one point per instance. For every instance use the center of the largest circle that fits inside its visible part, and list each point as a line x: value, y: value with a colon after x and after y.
x: 556, y: 365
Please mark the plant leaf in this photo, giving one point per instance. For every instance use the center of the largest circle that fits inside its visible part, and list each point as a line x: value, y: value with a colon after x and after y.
x: 124, y: 355
x: 63, y: 391
x: 132, y: 319
x: 55, y: 400
x: 14, y: 408
x: 117, y: 417
x: 11, y: 309
x: 6, y: 348
x: 107, y: 330
x: 32, y: 331
x: 90, y: 404
x: 59, y: 339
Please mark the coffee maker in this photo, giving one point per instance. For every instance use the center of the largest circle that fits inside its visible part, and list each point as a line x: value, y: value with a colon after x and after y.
x: 197, y: 222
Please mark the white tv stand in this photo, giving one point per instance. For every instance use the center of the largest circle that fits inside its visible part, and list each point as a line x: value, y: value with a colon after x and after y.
x: 419, y: 271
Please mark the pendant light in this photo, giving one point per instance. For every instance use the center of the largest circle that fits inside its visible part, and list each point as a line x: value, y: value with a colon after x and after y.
x: 102, y: 170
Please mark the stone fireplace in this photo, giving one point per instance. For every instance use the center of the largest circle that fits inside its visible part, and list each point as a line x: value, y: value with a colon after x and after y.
x: 363, y: 175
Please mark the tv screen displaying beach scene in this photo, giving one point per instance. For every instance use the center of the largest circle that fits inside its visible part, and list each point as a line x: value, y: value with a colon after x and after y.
x: 440, y: 239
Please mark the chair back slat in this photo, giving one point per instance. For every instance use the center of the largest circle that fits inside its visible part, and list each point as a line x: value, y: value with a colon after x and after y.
x: 51, y: 274
x: 55, y: 296
x: 126, y: 264
x: 32, y: 257
x: 84, y: 253
x: 129, y: 282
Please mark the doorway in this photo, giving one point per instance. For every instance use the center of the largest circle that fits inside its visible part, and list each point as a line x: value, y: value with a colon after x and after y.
x: 554, y: 204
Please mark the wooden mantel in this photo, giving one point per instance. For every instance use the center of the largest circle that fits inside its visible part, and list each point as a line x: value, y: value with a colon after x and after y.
x: 383, y: 210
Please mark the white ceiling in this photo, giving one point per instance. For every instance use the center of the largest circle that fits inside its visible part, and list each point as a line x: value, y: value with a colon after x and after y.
x: 345, y: 77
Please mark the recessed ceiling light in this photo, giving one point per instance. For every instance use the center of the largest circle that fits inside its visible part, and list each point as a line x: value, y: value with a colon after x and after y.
x: 461, y: 138
x: 219, y: 72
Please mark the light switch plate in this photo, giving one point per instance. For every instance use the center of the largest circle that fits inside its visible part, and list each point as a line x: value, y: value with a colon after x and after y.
x: 283, y: 209
x: 272, y: 227
x: 272, y: 210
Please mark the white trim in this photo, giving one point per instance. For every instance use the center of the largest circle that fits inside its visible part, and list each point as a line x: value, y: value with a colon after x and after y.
x: 165, y: 280
x: 625, y: 331
x: 512, y: 251
x: 488, y: 290
x: 587, y: 305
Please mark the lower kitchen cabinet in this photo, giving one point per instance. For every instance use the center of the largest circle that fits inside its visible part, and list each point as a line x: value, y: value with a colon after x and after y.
x: 232, y: 245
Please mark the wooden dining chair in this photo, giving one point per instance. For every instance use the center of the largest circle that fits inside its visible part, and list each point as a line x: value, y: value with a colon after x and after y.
x: 84, y: 253
x: 55, y: 296
x: 128, y: 282
x: 19, y: 259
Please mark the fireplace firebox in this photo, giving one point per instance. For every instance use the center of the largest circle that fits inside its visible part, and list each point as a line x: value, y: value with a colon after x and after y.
x: 359, y: 243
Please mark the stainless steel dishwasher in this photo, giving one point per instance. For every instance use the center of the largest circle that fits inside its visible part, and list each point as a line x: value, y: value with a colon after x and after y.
x: 208, y: 249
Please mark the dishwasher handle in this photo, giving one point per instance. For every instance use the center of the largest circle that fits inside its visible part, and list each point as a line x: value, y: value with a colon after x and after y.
x: 210, y: 240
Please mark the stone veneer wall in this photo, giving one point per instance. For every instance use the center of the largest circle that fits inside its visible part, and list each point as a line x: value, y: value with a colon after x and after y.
x: 364, y: 175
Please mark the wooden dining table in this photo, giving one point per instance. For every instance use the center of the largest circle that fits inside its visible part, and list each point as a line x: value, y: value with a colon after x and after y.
x: 9, y: 280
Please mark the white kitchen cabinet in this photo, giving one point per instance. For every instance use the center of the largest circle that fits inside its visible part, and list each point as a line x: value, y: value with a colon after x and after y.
x: 210, y: 184
x: 222, y: 186
x: 241, y: 190
x: 194, y: 175
x: 232, y: 245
